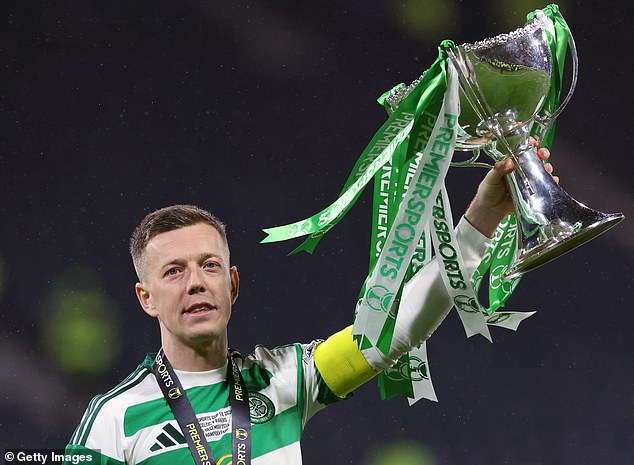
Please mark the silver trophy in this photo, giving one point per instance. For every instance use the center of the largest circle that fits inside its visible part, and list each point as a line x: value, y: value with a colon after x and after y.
x: 504, y: 82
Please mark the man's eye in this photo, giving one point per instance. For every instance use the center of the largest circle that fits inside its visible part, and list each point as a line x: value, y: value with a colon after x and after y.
x: 171, y: 272
x: 210, y: 265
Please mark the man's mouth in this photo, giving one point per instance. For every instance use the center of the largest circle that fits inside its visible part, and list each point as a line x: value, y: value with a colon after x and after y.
x: 200, y: 308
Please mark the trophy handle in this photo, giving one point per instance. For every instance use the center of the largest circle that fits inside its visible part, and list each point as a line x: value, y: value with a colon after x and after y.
x: 471, y: 162
x: 545, y: 122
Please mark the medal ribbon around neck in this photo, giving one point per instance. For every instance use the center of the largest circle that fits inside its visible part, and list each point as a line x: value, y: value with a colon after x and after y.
x: 176, y: 398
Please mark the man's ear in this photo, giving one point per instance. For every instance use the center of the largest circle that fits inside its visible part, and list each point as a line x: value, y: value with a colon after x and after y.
x: 145, y: 300
x: 235, y: 283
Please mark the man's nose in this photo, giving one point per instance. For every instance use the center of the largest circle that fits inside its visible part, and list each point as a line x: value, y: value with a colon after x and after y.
x: 196, y: 282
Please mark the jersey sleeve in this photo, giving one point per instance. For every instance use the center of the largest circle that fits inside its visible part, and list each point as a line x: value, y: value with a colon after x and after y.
x: 96, y: 437
x: 316, y: 394
x: 294, y: 380
x: 100, y: 433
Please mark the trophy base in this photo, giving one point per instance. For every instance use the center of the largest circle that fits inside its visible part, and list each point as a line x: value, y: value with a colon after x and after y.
x: 557, y: 246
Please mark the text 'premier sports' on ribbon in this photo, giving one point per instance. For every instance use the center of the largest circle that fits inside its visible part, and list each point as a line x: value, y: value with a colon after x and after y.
x: 405, y: 235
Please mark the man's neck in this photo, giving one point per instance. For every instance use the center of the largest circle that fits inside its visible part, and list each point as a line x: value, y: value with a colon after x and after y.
x: 202, y: 357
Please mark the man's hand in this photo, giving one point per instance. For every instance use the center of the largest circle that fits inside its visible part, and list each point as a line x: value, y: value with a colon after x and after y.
x: 492, y: 201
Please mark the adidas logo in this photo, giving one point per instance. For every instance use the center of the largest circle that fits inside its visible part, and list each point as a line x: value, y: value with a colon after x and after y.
x: 168, y: 437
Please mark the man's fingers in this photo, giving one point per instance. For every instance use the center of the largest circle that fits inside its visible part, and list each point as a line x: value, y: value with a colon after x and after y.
x: 549, y: 168
x: 502, y: 168
x: 543, y: 153
x: 505, y: 166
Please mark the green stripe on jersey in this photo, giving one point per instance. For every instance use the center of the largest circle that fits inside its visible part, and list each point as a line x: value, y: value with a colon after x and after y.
x: 83, y: 430
x: 301, y: 391
x: 204, y: 399
x: 282, y: 430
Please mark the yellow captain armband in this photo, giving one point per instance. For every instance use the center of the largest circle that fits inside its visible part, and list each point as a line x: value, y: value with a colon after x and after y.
x: 341, y: 364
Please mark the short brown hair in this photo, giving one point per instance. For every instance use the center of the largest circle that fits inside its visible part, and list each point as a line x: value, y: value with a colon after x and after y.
x: 165, y: 220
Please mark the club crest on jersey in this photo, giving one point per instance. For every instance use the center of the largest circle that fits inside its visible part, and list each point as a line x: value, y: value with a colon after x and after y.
x: 261, y: 409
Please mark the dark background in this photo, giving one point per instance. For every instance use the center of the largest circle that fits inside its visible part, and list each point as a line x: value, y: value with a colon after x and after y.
x: 257, y: 111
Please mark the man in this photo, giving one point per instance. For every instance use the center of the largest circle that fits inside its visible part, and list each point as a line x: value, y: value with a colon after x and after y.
x: 175, y: 407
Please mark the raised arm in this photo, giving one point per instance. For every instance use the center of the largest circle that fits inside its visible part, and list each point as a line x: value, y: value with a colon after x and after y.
x: 425, y: 302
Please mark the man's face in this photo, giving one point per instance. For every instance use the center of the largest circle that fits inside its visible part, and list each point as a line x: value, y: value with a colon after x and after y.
x: 189, y: 285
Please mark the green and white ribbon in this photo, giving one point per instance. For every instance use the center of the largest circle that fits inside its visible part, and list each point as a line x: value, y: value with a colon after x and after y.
x: 378, y: 305
x: 409, y: 377
x: 378, y: 152
x: 559, y: 42
x: 497, y: 258
x: 453, y: 271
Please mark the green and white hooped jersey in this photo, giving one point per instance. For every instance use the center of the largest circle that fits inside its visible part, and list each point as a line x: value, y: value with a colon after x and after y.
x: 133, y: 423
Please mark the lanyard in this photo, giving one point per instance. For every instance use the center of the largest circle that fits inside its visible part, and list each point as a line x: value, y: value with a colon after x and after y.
x: 182, y: 409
